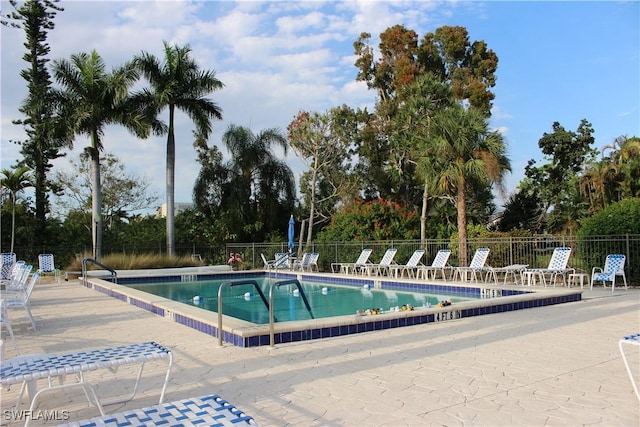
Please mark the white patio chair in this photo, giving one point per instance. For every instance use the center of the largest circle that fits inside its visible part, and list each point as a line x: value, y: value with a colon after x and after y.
x: 477, y: 266
x: 353, y: 267
x: 557, y: 267
x: 410, y: 267
x: 46, y: 265
x: 6, y: 322
x: 439, y: 264
x: 19, y: 277
x: 382, y: 268
x: 613, y: 266
x: 22, y: 298
x: 7, y: 261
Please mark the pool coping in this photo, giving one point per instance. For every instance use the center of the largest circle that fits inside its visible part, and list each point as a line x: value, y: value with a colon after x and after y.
x: 246, y: 334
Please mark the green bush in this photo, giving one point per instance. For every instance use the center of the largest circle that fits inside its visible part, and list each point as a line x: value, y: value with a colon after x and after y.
x: 618, y: 218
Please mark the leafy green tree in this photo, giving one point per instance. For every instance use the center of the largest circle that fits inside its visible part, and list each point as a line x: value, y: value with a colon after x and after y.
x: 90, y: 99
x: 15, y: 181
x: 557, y: 181
x: 521, y: 212
x: 260, y: 191
x: 122, y: 192
x: 624, y: 156
x: 373, y: 220
x: 467, y: 68
x: 178, y: 83
x: 474, y: 154
x: 322, y: 141
x: 44, y: 142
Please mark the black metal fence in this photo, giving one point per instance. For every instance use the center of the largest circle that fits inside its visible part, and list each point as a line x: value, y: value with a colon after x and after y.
x: 532, y: 251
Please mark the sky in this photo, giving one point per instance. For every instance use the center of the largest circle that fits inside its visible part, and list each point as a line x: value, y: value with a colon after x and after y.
x: 558, y: 62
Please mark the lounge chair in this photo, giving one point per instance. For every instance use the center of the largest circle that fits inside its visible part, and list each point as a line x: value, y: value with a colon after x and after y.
x: 19, y: 277
x: 313, y: 261
x: 211, y: 410
x: 46, y: 265
x: 514, y: 271
x: 353, y: 267
x: 7, y: 261
x: 281, y: 261
x: 439, y: 264
x: 613, y: 266
x: 557, y: 267
x: 22, y: 298
x: 6, y: 322
x: 410, y: 267
x: 382, y: 268
x: 476, y: 267
x: 29, y: 369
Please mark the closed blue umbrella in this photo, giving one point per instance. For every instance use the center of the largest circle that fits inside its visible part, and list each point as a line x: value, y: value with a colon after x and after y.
x: 290, y: 233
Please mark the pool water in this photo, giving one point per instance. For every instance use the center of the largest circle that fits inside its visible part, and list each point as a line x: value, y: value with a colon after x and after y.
x: 325, y: 300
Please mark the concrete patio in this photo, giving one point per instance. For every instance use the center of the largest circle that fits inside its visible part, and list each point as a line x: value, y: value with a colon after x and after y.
x: 550, y: 366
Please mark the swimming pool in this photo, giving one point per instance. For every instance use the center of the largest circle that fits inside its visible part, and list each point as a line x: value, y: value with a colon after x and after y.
x: 482, y: 299
x: 243, y: 301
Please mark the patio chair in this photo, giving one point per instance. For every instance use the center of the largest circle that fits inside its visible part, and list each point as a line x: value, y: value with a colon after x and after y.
x: 410, y: 267
x: 19, y: 277
x: 6, y: 322
x: 476, y: 267
x: 353, y: 267
x: 303, y: 263
x: 439, y: 264
x: 211, y: 410
x: 613, y: 266
x: 46, y: 265
x: 382, y: 268
x: 7, y: 260
x: 281, y: 261
x: 22, y: 298
x: 313, y: 261
x: 557, y: 268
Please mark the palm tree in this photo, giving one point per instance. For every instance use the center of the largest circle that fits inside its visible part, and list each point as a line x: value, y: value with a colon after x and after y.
x: 467, y: 152
x: 89, y: 100
x: 178, y: 83
x: 261, y: 183
x: 15, y: 181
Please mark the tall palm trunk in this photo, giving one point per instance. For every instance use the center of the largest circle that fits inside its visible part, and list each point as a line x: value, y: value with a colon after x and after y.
x: 171, y: 179
x: 312, y: 204
x: 13, y: 219
x: 423, y: 215
x: 96, y: 197
x: 461, y: 204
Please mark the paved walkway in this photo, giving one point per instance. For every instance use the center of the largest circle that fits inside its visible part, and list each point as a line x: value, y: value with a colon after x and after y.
x: 549, y: 366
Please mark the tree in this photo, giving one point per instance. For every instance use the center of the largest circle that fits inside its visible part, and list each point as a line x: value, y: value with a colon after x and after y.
x: 557, y: 181
x: 178, y: 83
x: 43, y: 142
x: 122, y: 192
x: 260, y: 191
x: 322, y: 142
x: 467, y: 68
x: 472, y: 154
x: 90, y: 99
x: 15, y: 181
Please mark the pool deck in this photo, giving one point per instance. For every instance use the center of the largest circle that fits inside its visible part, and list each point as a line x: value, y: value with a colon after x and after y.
x: 550, y: 366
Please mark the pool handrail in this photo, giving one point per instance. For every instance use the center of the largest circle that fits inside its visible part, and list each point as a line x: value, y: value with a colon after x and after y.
x: 232, y: 284
x: 85, y: 261
x: 271, y: 315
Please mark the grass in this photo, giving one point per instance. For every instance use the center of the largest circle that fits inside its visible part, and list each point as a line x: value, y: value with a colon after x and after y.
x: 123, y: 261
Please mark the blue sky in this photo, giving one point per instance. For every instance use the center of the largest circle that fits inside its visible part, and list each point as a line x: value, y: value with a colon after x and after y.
x: 558, y: 61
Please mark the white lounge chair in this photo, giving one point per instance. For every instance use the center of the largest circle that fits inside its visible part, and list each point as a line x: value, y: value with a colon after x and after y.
x: 439, y: 264
x: 613, y: 266
x: 353, y: 267
x: 410, y: 267
x: 6, y: 322
x: 211, y: 410
x: 477, y: 265
x: 281, y: 261
x: 22, y: 298
x: 7, y: 260
x: 17, y: 279
x: 382, y: 268
x: 557, y: 267
x: 27, y: 370
x: 46, y: 265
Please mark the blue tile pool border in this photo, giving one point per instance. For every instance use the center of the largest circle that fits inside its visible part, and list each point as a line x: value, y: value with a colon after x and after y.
x: 525, y: 299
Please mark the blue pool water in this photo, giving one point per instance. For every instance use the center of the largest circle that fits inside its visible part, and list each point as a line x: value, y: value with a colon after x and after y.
x: 242, y: 301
